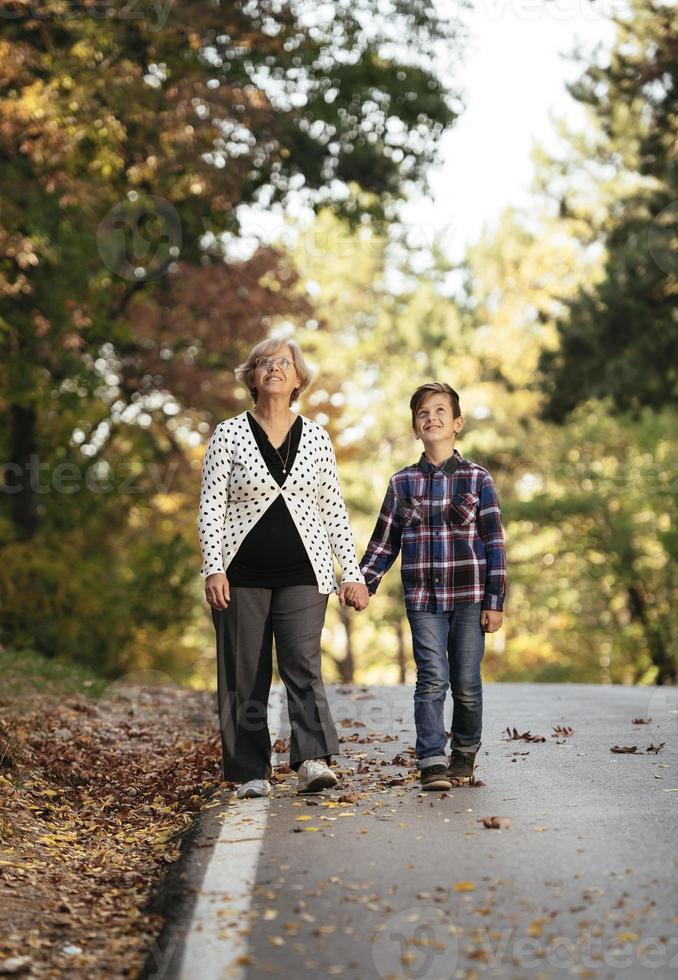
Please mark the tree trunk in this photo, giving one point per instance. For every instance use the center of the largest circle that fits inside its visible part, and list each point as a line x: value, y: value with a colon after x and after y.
x: 23, y: 501
x: 661, y: 658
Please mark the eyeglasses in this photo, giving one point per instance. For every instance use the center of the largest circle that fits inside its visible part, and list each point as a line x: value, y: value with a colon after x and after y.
x: 283, y: 362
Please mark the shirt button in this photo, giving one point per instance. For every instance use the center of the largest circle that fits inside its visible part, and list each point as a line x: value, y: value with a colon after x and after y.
x: 436, y: 579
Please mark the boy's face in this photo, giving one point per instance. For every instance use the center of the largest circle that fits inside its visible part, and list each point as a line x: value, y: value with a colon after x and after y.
x: 434, y: 422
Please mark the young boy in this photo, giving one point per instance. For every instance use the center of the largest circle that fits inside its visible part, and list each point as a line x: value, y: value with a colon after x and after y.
x: 442, y: 513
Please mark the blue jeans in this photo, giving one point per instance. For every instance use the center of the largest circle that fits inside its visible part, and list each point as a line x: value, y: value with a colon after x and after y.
x: 448, y: 648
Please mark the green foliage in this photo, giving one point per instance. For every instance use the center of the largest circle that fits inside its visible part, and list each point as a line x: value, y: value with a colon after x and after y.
x: 100, y: 608
x: 25, y: 672
x: 617, y: 337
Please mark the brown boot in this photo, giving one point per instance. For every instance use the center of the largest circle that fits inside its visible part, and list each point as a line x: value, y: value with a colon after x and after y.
x: 462, y: 768
x: 435, y: 778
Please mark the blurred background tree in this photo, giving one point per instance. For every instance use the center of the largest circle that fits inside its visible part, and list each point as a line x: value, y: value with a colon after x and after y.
x: 128, y: 294
x: 129, y: 142
x: 620, y: 185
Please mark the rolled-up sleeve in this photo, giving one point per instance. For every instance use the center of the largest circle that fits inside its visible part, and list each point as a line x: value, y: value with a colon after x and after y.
x: 216, y: 471
x: 335, y: 516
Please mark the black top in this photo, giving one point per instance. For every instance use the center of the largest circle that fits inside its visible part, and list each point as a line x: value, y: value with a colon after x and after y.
x: 272, y: 553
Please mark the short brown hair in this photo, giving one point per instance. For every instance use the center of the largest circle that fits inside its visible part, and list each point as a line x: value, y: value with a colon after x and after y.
x: 245, y: 371
x: 434, y: 388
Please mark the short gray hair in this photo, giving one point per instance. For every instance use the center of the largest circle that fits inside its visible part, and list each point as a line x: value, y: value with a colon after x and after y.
x: 265, y: 348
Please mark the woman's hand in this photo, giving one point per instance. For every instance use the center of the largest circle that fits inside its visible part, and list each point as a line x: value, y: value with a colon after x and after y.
x: 354, y: 594
x: 217, y: 590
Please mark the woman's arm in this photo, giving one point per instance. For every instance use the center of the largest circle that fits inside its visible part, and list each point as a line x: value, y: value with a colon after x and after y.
x: 335, y: 515
x: 216, y: 471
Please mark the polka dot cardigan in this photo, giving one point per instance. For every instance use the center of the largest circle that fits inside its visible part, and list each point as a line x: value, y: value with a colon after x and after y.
x: 237, y: 488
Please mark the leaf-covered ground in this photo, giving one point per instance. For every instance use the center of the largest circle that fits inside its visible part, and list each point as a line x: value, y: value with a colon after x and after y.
x: 95, y: 795
x: 99, y: 783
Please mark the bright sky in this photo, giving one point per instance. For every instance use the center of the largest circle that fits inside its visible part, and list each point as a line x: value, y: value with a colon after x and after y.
x: 513, y: 80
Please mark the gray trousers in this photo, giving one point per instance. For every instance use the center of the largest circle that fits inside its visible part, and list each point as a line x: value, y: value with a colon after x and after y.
x: 294, y: 617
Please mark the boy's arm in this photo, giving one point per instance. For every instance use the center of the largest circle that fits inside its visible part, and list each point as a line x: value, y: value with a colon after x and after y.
x: 492, y: 534
x: 384, y: 544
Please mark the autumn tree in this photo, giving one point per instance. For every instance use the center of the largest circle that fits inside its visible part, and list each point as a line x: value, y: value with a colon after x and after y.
x: 129, y: 144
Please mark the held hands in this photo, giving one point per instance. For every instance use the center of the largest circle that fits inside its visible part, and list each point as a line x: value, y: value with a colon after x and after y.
x: 490, y: 620
x: 217, y: 590
x: 354, y: 594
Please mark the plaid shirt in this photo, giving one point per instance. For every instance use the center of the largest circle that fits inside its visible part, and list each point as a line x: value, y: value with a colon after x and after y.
x: 447, y: 522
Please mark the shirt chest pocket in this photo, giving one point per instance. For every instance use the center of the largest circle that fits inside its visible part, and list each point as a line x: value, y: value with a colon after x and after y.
x: 411, y: 512
x: 463, y: 508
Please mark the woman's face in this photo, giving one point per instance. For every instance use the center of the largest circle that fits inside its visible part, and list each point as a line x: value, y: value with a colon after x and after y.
x: 276, y: 374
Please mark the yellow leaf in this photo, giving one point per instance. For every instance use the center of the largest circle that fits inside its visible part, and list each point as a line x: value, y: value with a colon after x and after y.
x: 304, y: 818
x: 464, y: 886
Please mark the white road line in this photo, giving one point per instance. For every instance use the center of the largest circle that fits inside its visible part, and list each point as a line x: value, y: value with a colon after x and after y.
x: 217, y: 938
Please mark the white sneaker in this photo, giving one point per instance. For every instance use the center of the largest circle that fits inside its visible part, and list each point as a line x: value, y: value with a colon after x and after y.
x: 254, y: 787
x: 314, y: 775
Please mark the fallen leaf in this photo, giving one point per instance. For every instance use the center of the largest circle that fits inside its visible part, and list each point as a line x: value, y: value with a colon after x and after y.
x: 495, y: 823
x: 348, y: 798
x: 15, y: 964
x: 526, y: 736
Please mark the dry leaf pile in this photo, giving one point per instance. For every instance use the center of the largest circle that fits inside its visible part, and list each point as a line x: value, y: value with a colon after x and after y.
x: 94, y: 799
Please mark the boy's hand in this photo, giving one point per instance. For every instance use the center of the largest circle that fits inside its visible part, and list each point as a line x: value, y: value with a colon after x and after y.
x: 354, y: 594
x: 490, y: 620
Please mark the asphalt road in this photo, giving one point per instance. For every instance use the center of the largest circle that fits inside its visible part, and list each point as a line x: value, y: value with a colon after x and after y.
x: 395, y: 883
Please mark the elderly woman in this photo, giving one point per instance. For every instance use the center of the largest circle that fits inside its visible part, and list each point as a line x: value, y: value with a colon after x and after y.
x: 271, y: 514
